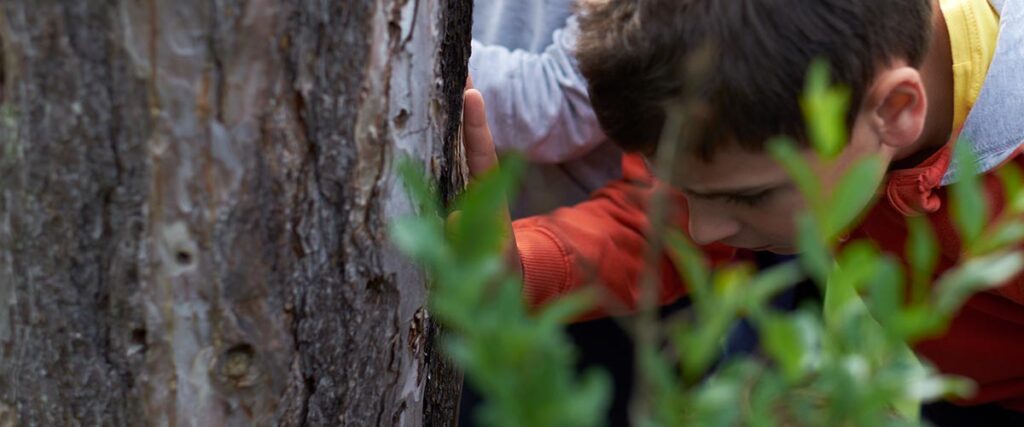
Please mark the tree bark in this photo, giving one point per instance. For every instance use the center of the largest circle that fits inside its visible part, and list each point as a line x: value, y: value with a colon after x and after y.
x: 194, y: 197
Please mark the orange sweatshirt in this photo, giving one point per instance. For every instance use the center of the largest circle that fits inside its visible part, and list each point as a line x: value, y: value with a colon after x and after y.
x: 602, y: 241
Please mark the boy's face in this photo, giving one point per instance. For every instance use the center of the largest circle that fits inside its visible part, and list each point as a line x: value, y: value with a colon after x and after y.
x: 745, y: 199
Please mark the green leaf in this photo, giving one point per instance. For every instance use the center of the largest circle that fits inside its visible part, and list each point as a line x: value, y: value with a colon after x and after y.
x: 825, y: 108
x: 979, y: 274
x: 908, y: 383
x: 886, y: 291
x: 908, y: 366
x: 728, y: 286
x: 420, y: 189
x: 916, y: 321
x: 1003, y: 236
x: 482, y: 224
x: 699, y: 345
x: 856, y: 189
x: 1013, y: 187
x: 659, y: 372
x: 793, y: 341
x: 591, y: 397
x: 770, y: 283
x: 815, y: 255
x: 420, y: 238
x: 566, y: 308
x: 715, y: 403
x: 857, y: 263
x: 933, y: 388
x: 690, y: 263
x: 922, y: 254
x: 785, y: 151
x: 969, y: 209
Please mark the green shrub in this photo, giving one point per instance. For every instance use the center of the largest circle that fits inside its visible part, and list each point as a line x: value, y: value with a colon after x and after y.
x: 847, y: 362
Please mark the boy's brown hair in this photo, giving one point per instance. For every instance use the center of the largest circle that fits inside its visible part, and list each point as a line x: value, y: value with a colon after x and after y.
x: 752, y: 57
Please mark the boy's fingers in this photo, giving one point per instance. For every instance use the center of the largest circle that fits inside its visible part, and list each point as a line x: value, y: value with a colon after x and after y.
x: 476, y: 137
x: 481, y: 157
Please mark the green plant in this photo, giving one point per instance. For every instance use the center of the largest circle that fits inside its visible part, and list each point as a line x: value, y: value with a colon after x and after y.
x: 846, y: 362
x: 521, y: 361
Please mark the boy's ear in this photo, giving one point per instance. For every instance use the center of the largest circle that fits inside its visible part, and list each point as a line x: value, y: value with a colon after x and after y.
x: 898, y: 106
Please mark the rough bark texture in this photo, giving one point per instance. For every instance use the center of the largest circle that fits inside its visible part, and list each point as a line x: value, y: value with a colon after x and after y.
x: 193, y: 204
x: 440, y: 410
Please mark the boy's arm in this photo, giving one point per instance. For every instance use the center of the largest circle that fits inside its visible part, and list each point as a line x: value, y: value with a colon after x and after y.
x: 601, y: 241
x: 537, y: 103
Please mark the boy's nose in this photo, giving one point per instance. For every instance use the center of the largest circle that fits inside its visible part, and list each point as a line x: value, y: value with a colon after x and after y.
x: 708, y: 227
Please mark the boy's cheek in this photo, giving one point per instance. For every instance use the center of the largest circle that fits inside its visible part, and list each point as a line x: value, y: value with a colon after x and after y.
x: 776, y: 224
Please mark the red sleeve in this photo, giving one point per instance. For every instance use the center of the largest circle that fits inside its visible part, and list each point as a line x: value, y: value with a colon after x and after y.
x: 601, y: 241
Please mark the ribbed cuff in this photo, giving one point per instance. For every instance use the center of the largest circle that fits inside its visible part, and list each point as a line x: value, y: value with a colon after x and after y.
x: 545, y: 265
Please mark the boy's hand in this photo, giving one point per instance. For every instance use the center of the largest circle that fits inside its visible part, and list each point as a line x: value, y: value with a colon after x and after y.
x: 481, y: 157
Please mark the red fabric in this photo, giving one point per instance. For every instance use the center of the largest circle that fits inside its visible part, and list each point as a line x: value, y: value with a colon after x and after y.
x: 602, y: 241
x: 910, y: 191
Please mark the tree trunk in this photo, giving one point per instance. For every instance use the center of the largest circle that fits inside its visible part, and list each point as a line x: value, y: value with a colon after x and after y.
x: 193, y: 205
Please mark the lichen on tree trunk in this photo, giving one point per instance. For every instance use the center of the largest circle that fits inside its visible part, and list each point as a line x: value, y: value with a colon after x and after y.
x: 193, y: 206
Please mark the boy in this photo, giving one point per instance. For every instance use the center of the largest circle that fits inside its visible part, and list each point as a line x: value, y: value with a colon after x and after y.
x: 921, y: 73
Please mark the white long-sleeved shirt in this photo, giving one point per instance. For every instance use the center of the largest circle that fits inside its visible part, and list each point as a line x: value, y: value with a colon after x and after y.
x: 537, y: 100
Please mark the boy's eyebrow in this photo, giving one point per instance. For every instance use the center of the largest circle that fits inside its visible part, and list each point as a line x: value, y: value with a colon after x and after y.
x: 738, y: 191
